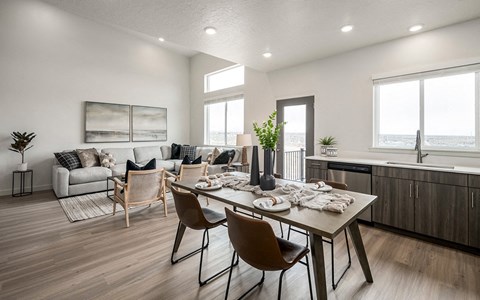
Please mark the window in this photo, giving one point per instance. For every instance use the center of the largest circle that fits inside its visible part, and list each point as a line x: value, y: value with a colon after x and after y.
x: 223, y: 120
x: 226, y: 78
x: 441, y: 103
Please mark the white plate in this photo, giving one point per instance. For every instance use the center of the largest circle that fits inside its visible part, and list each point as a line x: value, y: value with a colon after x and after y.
x: 325, y: 188
x: 204, y: 186
x: 275, y: 208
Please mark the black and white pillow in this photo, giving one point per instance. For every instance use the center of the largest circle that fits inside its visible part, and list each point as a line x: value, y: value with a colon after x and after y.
x: 68, y: 160
x: 188, y: 150
x: 224, y: 157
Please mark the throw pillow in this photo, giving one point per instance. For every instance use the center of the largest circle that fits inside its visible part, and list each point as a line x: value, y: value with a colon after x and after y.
x: 106, y: 160
x: 131, y: 166
x: 68, y: 160
x: 188, y: 150
x: 176, y: 151
x: 187, y: 161
x: 224, y: 157
x: 88, y: 157
x: 215, y: 154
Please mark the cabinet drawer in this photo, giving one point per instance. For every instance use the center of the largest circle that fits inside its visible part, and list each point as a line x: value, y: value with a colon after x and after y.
x: 422, y: 175
x: 318, y: 164
x: 474, y: 181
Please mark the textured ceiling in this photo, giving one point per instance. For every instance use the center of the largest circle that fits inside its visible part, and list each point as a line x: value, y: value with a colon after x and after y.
x: 295, y: 31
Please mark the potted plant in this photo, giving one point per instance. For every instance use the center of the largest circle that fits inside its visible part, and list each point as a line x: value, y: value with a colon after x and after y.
x: 268, y: 134
x: 325, y: 143
x: 20, y: 145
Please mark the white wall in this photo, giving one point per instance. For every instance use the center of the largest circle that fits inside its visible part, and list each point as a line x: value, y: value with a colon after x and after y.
x: 343, y: 92
x: 52, y: 61
x: 342, y: 87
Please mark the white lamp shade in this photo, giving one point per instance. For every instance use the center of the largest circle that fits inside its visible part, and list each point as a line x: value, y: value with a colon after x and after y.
x: 244, y: 139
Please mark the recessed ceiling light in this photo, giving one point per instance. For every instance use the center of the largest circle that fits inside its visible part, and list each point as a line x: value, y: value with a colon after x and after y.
x: 415, y: 27
x: 210, y: 30
x: 267, y: 54
x: 347, y: 28
x: 161, y: 39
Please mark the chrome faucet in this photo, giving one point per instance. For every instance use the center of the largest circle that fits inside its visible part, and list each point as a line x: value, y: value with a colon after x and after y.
x: 418, y: 147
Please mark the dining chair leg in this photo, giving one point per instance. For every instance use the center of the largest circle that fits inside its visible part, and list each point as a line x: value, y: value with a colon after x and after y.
x: 214, y: 276
x: 290, y: 228
x: 281, y: 230
x: 280, y: 285
x: 126, y: 216
x: 335, y: 283
x: 230, y: 278
x: 178, y: 237
x: 307, y: 264
x: 114, y: 207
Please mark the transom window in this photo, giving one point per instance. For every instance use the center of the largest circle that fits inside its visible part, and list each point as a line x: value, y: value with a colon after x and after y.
x: 442, y: 104
x: 225, y: 78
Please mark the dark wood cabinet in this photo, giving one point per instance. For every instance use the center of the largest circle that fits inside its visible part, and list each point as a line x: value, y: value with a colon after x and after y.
x: 474, y: 218
x: 442, y: 211
x: 315, y: 169
x: 395, y: 204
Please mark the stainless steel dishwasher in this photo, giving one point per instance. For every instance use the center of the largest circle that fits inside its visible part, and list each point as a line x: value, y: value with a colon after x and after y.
x: 357, y: 177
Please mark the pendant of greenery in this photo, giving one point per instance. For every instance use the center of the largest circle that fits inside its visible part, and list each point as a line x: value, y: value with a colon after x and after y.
x: 21, y: 142
x: 327, y: 141
x: 268, y: 133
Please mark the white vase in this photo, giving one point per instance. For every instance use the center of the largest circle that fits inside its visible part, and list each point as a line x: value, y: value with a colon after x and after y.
x: 22, y: 167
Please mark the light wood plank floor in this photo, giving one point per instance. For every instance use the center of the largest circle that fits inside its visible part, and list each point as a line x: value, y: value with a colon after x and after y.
x: 44, y: 256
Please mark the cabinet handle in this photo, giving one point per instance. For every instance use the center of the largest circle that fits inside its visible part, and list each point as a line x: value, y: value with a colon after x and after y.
x: 472, y: 200
x: 416, y: 191
x: 316, y: 165
x: 410, y: 190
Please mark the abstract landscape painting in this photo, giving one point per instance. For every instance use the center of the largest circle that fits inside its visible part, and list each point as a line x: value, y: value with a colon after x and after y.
x: 149, y: 123
x: 107, y: 122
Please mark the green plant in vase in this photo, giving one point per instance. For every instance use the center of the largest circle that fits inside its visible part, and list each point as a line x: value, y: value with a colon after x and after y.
x: 325, y: 143
x: 268, y: 134
x: 20, y: 145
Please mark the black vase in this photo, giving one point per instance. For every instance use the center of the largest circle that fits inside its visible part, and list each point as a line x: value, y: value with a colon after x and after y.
x: 255, y: 171
x: 267, y: 181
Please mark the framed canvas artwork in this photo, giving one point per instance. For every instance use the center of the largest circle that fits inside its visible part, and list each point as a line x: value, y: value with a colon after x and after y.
x: 107, y: 122
x: 149, y: 123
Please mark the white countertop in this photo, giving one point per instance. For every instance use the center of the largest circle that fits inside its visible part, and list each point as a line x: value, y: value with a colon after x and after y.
x: 383, y: 163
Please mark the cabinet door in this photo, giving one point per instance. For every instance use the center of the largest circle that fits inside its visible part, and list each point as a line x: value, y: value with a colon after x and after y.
x: 316, y: 169
x: 442, y: 211
x: 474, y: 218
x: 395, y: 204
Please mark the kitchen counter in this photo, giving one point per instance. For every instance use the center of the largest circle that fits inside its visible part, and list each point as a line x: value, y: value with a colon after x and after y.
x: 405, y: 165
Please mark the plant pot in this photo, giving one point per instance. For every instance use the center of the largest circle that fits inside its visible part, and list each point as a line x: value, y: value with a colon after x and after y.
x: 323, y: 150
x: 22, y: 167
x: 332, y: 151
x: 267, y: 181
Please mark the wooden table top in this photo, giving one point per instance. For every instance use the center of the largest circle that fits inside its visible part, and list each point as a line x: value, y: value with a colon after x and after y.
x: 324, y: 223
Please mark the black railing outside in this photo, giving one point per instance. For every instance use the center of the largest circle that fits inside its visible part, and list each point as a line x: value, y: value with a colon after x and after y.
x: 294, y: 165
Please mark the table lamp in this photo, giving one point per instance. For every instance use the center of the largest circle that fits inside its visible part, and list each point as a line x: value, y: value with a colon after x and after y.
x: 244, y: 140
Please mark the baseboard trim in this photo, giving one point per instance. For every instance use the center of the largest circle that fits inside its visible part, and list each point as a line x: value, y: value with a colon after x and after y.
x: 36, y: 188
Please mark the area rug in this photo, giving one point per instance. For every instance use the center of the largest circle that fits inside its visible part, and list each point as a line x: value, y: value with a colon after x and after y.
x: 89, y: 206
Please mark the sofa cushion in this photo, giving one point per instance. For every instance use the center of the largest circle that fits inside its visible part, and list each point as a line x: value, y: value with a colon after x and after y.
x: 187, y: 150
x: 166, y: 152
x: 166, y: 164
x: 176, y: 151
x: 177, y: 163
x: 225, y: 157
x: 121, y: 155
x: 147, y: 153
x: 131, y: 166
x: 68, y: 160
x: 119, y: 169
x: 92, y: 174
x: 88, y: 157
x: 204, y: 152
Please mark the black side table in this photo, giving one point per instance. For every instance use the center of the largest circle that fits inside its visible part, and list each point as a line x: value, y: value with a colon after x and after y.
x: 23, y: 176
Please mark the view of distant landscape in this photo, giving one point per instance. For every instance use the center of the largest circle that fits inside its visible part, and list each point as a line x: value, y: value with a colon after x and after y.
x: 440, y: 141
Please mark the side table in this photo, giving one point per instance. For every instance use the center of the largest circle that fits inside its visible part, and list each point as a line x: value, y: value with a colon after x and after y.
x: 23, y: 175
x: 110, y: 178
x: 239, y: 167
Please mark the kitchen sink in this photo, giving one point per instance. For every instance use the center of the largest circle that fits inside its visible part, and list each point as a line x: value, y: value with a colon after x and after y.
x: 420, y: 165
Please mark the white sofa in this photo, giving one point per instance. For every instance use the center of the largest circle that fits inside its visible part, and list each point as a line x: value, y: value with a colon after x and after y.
x: 94, y: 179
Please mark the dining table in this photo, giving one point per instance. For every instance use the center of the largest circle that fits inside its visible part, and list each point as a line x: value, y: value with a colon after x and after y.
x: 319, y: 223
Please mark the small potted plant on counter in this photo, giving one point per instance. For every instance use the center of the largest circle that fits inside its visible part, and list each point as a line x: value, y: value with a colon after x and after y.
x: 20, y: 145
x: 326, y: 143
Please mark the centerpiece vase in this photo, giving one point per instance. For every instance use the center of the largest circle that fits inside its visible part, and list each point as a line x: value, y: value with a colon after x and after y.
x: 267, y: 180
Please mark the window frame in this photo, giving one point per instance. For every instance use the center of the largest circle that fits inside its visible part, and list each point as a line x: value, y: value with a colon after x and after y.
x: 226, y: 100
x: 421, y: 77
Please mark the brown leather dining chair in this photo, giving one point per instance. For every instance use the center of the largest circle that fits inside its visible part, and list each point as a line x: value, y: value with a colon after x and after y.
x: 255, y: 243
x: 339, y: 186
x: 195, y: 217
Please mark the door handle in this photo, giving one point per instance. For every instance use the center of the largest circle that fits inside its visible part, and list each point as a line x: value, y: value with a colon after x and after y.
x: 410, y: 190
x: 416, y: 191
x: 473, y: 206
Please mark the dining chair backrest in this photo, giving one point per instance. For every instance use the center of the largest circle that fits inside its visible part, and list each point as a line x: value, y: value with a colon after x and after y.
x: 192, y: 172
x: 333, y: 184
x: 255, y: 242
x: 145, y: 185
x: 189, y: 210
